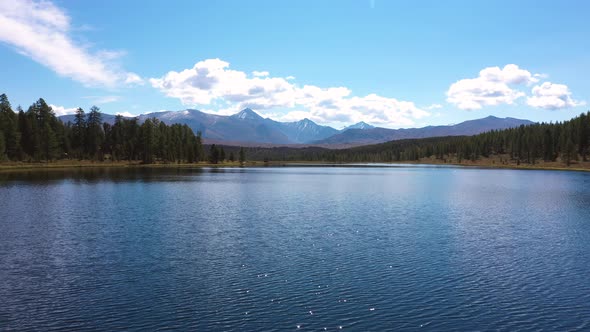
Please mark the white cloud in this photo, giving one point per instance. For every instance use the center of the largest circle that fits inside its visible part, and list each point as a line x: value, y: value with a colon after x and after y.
x: 126, y: 114
x: 492, y: 87
x: 294, y: 116
x: 552, y: 96
x: 260, y: 73
x: 60, y: 110
x: 133, y: 78
x: 102, y: 99
x: 41, y: 31
x: 212, y: 81
x: 223, y: 111
x: 433, y: 107
x: 510, y: 74
x: 496, y: 86
x: 107, y: 99
x: 290, y: 78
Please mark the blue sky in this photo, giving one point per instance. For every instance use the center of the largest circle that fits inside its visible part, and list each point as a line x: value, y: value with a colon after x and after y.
x: 389, y: 63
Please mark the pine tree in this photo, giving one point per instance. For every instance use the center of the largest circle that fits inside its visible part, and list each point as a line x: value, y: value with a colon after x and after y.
x: 117, y: 139
x: 9, y: 125
x: 95, y: 135
x: 47, y: 124
x: 148, y: 139
x: 242, y: 155
x: 583, y: 135
x: 107, y: 143
x: 2, y: 146
x: 33, y: 132
x: 23, y: 128
x: 569, y: 151
x: 49, y: 143
x: 79, y: 133
x: 200, y: 155
x: 214, y: 154
x: 548, y: 154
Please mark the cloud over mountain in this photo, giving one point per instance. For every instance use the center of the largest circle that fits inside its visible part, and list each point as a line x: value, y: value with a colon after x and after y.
x: 212, y: 80
x: 552, y: 97
x: 491, y: 87
x: 497, y: 86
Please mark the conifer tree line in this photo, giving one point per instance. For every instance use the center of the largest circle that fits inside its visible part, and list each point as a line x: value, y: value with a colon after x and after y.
x: 564, y: 142
x: 38, y: 135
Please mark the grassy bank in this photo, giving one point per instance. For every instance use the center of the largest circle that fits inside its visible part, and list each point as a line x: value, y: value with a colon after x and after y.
x: 78, y: 164
x: 494, y: 162
x: 504, y: 162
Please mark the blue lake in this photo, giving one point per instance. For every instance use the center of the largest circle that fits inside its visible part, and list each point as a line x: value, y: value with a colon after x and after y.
x: 295, y: 248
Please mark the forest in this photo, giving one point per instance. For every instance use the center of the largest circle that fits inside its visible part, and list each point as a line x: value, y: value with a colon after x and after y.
x: 564, y: 142
x: 37, y: 135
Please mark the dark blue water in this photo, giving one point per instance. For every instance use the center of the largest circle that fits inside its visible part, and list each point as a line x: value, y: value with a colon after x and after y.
x: 364, y: 249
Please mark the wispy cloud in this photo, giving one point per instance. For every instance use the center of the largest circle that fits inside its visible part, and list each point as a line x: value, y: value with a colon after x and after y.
x: 260, y: 73
x: 433, y: 107
x: 102, y: 99
x: 210, y: 81
x: 41, y: 31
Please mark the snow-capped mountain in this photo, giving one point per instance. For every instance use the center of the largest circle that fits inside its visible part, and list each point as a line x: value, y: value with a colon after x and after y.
x: 359, y: 125
x: 247, y: 126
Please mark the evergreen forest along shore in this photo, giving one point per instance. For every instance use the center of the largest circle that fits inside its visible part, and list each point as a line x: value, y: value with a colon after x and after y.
x: 37, y: 136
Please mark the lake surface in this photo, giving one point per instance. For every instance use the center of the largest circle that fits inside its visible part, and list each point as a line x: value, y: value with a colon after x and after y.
x: 295, y: 248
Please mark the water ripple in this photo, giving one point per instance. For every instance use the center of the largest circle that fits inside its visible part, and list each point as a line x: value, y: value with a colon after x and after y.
x: 307, y: 249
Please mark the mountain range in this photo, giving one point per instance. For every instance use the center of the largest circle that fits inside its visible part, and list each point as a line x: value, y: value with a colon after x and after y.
x: 248, y: 127
x: 376, y: 135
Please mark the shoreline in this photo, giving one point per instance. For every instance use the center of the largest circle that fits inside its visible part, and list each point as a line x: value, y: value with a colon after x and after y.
x: 480, y: 164
x: 525, y: 167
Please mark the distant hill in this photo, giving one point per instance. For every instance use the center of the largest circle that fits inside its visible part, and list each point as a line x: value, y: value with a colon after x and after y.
x: 375, y: 135
x: 247, y: 126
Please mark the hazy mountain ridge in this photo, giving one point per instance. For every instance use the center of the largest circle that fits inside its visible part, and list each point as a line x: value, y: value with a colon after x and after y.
x: 380, y: 135
x: 249, y: 126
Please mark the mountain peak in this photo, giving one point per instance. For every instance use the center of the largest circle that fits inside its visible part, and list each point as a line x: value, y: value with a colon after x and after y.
x: 305, y: 123
x: 359, y: 125
x: 247, y: 113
